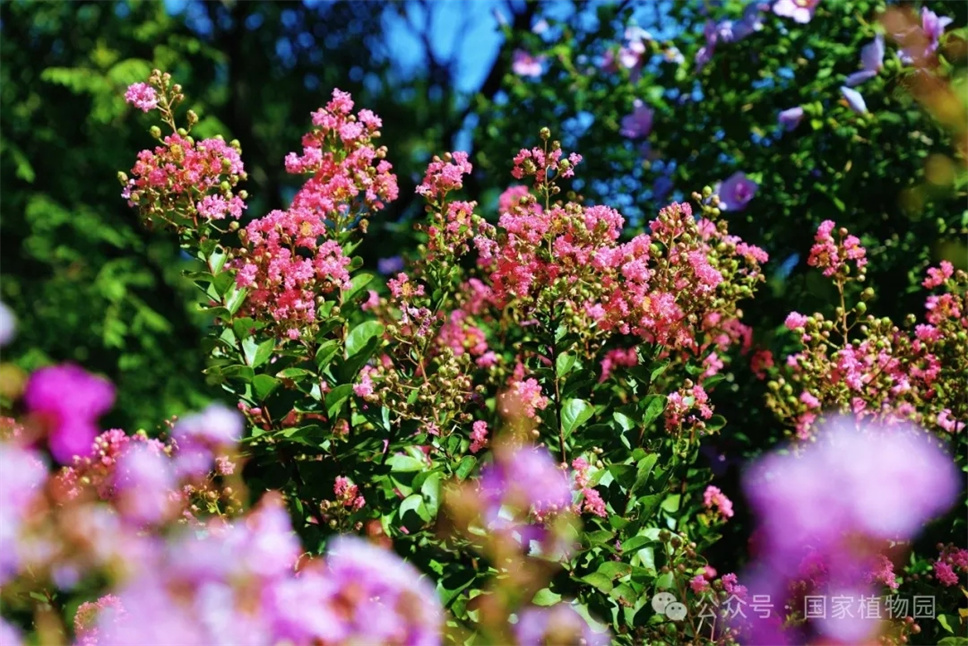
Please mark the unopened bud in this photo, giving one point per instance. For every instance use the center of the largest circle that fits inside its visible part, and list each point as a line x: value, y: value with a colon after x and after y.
x: 155, y: 132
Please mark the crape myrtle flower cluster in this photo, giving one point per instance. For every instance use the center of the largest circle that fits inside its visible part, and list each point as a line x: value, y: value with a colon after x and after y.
x: 869, y: 366
x: 291, y: 259
x: 182, y: 182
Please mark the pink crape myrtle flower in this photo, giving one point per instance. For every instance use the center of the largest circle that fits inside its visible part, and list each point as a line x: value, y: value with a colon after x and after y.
x: 142, y: 95
x: 524, y: 64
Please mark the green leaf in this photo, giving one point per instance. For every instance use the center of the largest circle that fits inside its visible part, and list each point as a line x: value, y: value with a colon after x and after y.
x: 671, y: 503
x: 262, y: 352
x: 574, y: 413
x: 598, y: 581
x: 430, y: 490
x: 360, y: 335
x: 614, y: 569
x: 415, y: 503
x: 406, y: 463
x: 545, y: 597
x: 358, y: 283
x: 644, y: 470
x: 336, y: 397
x: 263, y: 385
x: 563, y: 364
x: 653, y: 406
x: 467, y: 464
x: 325, y: 353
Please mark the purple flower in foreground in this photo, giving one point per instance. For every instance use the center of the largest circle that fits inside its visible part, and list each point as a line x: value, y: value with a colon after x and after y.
x: 393, y: 602
x: 933, y: 26
x: 144, y: 480
x: 854, y: 100
x: 9, y: 636
x: 790, y: 118
x: 800, y: 10
x: 21, y: 478
x: 736, y: 192
x: 70, y: 400
x: 559, y: 624
x: 883, y: 482
x: 639, y: 123
x: 141, y: 95
x: 871, y: 60
x: 524, y: 64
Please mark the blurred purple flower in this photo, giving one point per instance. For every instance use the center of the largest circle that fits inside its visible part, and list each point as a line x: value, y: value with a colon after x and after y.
x: 390, y: 266
x: 926, y: 42
x: 639, y: 123
x: 524, y: 64
x: 8, y: 324
x: 398, y: 605
x: 854, y: 100
x: 144, y: 480
x: 736, y: 192
x: 871, y: 60
x: 881, y: 482
x: 526, y: 480
x: 9, y: 636
x: 70, y: 400
x: 540, y: 27
x: 729, y: 31
x: 790, y: 118
x: 800, y: 10
x: 199, y: 436
x: 558, y: 624
x: 22, y: 477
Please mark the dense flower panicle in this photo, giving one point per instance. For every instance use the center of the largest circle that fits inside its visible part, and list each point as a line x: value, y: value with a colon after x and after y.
x: 544, y: 165
x: 590, y: 499
x: 186, y: 182
x: 444, y: 175
x: 142, y: 96
x: 288, y: 263
x: 68, y: 400
x: 618, y: 357
x: 951, y: 565
x: 97, y: 469
x: 524, y: 397
x: 832, y: 255
x: 350, y: 176
x: 559, y: 624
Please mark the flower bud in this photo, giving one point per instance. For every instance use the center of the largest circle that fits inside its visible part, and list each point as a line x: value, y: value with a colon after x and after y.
x: 155, y: 132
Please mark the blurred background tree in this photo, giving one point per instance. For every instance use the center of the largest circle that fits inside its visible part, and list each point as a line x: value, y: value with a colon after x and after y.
x: 86, y: 281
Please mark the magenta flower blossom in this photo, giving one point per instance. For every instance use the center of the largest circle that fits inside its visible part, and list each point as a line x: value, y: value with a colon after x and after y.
x: 144, y: 480
x: 69, y: 400
x: 639, y: 123
x: 800, y: 10
x: 790, y: 118
x: 536, y: 626
x: 854, y: 100
x: 871, y: 60
x: 736, y: 192
x: 200, y: 436
x: 524, y: 64
x: 142, y: 95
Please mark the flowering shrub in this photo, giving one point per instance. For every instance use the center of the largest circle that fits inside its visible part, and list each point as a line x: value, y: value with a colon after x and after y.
x: 514, y: 421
